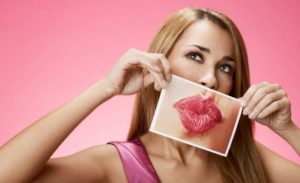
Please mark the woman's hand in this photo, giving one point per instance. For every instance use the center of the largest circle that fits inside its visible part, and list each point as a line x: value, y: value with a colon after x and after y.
x: 267, y: 104
x: 136, y: 70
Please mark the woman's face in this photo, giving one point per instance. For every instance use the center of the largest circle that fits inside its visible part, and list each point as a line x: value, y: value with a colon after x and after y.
x: 204, y: 54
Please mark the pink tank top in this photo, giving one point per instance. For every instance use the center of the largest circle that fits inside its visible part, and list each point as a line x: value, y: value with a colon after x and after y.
x: 136, y: 162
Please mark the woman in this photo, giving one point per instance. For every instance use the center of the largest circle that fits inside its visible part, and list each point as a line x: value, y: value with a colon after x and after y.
x: 201, y: 45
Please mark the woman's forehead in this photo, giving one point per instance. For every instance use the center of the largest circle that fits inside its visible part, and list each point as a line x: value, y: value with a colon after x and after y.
x: 209, y: 35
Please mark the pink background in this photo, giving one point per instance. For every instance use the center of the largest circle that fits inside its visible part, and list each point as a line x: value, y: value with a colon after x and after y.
x: 50, y: 51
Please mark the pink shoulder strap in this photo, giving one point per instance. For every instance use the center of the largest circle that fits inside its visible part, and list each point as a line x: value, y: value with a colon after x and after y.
x: 136, y: 162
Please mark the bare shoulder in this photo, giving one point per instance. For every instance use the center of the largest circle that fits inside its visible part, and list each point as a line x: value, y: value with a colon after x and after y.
x: 93, y: 164
x: 278, y: 168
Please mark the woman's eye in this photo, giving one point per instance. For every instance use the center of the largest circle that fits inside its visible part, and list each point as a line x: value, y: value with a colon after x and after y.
x: 226, y: 68
x: 195, y: 56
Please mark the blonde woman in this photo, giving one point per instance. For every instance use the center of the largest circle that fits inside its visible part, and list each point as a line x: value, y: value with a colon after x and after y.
x: 201, y: 45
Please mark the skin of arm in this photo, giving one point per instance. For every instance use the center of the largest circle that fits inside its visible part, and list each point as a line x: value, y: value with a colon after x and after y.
x: 89, y: 165
x: 25, y: 155
x: 268, y: 104
x: 277, y: 168
x: 292, y: 135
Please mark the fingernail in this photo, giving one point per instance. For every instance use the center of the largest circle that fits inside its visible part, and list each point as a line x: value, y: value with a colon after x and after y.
x: 252, y: 115
x: 245, y: 111
x: 243, y: 102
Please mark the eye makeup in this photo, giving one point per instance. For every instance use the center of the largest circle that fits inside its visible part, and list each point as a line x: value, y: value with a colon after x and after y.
x: 196, y: 56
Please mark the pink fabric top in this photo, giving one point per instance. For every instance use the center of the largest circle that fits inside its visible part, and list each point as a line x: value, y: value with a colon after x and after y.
x: 136, y: 163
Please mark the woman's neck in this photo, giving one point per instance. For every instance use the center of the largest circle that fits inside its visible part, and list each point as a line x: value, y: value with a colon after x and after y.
x: 170, y: 149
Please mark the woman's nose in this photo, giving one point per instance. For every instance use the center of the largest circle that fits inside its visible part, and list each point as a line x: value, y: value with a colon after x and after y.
x: 209, y: 80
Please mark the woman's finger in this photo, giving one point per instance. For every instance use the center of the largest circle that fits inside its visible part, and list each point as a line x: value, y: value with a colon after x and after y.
x: 267, y: 100
x: 258, y: 95
x: 157, y: 66
x: 151, y: 76
x: 149, y: 61
x: 157, y: 87
x: 148, y: 78
x: 157, y: 60
x: 158, y: 78
x: 274, y: 106
x: 155, y: 71
x: 250, y: 92
x: 167, y: 67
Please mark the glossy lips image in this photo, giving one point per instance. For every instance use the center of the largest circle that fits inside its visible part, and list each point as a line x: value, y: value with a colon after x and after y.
x: 198, y: 114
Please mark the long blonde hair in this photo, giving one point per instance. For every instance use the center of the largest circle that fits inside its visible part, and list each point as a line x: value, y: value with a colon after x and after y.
x: 242, y: 163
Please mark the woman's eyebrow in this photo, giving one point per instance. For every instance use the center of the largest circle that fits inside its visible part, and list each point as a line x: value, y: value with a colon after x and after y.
x: 225, y: 58
x: 201, y: 48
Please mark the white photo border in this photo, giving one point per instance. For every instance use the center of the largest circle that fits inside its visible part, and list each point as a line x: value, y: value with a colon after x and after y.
x: 160, y: 100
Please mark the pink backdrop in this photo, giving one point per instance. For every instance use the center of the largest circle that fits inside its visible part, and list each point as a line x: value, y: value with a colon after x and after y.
x: 50, y: 51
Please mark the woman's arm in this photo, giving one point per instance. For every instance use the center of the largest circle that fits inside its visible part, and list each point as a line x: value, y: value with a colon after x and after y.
x: 292, y: 135
x: 94, y: 164
x: 277, y: 168
x: 269, y: 105
x: 24, y: 156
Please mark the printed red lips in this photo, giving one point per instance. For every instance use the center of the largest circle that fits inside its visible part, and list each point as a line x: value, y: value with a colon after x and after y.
x: 198, y: 114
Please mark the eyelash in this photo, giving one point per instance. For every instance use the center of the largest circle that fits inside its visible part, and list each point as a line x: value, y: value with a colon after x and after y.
x: 191, y: 55
x: 228, y: 66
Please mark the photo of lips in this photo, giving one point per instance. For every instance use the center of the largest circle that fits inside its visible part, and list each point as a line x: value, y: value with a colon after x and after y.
x: 196, y: 115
